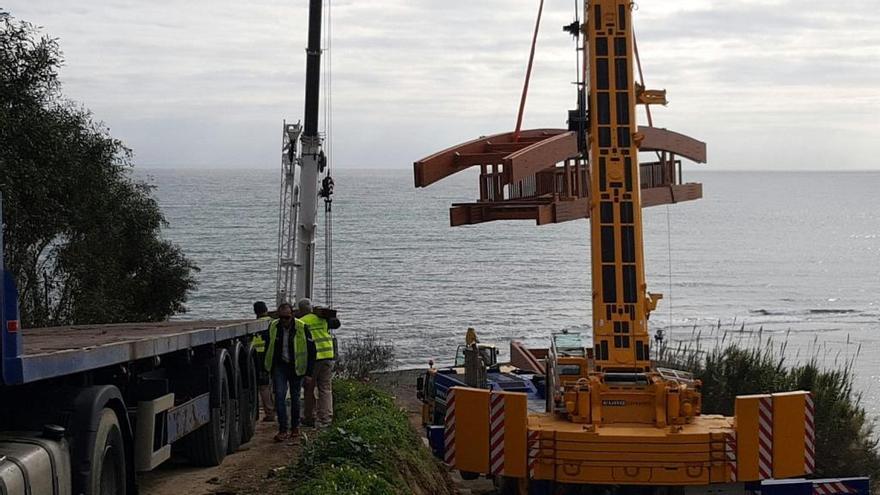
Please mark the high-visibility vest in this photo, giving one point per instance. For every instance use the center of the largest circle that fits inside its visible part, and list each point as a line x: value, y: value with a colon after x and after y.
x: 298, y: 346
x: 321, y: 335
x: 259, y: 342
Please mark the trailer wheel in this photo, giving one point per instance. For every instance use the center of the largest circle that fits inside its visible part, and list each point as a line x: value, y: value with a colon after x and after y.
x: 207, y: 445
x: 237, y: 411
x: 250, y: 400
x: 108, y: 457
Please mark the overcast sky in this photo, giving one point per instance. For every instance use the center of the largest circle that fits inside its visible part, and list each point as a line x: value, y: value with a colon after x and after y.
x: 771, y: 84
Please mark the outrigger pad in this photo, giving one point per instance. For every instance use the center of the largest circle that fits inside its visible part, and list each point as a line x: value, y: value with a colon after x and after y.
x: 775, y: 436
x: 486, y: 432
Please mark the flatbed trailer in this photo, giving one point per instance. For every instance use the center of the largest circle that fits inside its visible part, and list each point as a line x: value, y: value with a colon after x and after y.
x: 58, y: 351
x: 84, y: 408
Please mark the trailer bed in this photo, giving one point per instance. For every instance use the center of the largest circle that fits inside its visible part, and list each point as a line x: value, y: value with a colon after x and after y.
x: 59, y: 351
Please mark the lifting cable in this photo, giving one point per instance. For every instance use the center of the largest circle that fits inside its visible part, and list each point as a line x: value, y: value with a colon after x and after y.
x: 326, y: 190
x: 641, y: 76
x: 669, y: 257
x: 525, y: 91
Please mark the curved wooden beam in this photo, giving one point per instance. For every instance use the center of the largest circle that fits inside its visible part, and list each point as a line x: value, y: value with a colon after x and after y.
x: 657, y: 139
x: 440, y: 165
x: 540, y: 156
x: 536, y: 150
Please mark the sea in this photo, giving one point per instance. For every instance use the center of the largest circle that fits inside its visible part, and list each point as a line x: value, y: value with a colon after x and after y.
x: 786, y: 259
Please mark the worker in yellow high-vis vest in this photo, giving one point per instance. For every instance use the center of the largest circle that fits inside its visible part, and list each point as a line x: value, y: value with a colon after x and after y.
x: 290, y: 357
x: 325, y: 354
x: 264, y: 379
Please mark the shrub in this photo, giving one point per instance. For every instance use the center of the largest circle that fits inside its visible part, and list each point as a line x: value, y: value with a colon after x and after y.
x: 846, y: 444
x: 362, y: 355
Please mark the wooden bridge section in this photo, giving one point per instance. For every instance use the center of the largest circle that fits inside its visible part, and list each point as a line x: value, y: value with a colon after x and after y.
x: 542, y: 176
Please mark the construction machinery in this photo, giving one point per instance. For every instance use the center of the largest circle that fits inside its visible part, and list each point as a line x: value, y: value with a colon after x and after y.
x: 476, y: 365
x: 613, y: 422
x: 303, y: 160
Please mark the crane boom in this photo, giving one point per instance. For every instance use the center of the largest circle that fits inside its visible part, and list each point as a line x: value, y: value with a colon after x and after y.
x: 312, y: 160
x: 299, y: 192
x: 620, y: 301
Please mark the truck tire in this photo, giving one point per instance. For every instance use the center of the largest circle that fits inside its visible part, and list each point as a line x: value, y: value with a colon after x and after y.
x: 250, y: 400
x: 207, y: 445
x: 101, y: 440
x: 236, y: 387
x: 108, y: 472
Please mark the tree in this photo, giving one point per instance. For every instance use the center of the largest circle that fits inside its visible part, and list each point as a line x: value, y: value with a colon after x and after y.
x: 82, y: 235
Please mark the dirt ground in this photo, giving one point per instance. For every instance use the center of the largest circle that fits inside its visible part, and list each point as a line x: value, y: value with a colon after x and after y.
x: 253, y: 469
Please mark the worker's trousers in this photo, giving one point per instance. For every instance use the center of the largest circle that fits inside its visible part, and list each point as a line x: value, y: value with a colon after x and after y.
x: 267, y: 397
x: 322, y: 384
x: 285, y: 379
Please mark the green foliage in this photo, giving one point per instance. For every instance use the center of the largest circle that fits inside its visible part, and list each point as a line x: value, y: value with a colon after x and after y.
x: 346, y: 479
x: 353, y: 400
x: 370, y: 448
x: 846, y: 443
x: 363, y: 355
x: 82, y: 236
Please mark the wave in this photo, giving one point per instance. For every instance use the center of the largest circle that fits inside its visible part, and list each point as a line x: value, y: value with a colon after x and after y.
x: 770, y: 312
x: 834, y: 311
x: 811, y: 311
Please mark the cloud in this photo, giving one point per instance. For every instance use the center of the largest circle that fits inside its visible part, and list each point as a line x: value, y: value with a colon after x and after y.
x: 207, y: 83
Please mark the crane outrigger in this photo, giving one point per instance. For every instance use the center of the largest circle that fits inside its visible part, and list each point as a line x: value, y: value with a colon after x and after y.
x: 613, y: 422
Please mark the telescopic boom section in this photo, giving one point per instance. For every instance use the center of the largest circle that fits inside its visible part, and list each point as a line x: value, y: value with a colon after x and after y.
x: 312, y: 160
x: 313, y: 69
x: 620, y: 301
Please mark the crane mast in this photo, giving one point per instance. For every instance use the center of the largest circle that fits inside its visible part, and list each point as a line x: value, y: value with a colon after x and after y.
x: 299, y: 192
x: 621, y: 304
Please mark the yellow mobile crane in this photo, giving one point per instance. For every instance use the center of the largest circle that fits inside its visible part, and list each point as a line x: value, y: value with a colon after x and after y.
x: 613, y: 422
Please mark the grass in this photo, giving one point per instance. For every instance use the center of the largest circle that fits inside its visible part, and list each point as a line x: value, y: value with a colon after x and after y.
x: 740, y: 363
x: 370, y: 449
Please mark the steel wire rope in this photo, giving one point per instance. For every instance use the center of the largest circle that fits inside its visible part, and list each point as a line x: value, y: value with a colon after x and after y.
x: 525, y: 91
x: 328, y: 156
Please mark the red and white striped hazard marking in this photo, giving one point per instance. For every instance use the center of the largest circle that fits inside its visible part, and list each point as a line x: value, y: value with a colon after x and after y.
x: 831, y: 488
x: 809, y: 435
x: 496, y: 434
x: 765, y: 438
x: 534, y: 447
x: 449, y: 441
x: 730, y: 452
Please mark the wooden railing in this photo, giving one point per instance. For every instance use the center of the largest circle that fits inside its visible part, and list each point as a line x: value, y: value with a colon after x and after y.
x: 660, y: 174
x: 570, y: 181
